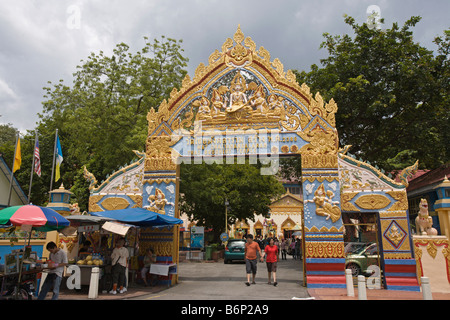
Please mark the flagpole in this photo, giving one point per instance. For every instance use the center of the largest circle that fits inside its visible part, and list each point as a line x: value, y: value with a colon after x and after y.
x: 12, y: 172
x: 32, y: 169
x: 53, y: 166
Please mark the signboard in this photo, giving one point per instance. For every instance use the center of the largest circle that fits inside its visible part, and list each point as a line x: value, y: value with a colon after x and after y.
x: 197, y: 237
x: 88, y: 228
x: 224, y: 237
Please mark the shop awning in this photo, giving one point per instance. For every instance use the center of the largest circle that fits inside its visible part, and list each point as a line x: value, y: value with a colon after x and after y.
x: 117, y: 228
x: 87, y: 219
x: 139, y: 217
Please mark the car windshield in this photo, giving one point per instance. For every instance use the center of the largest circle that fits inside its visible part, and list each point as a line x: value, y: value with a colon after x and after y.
x: 355, y: 247
x: 370, y: 248
x: 232, y: 244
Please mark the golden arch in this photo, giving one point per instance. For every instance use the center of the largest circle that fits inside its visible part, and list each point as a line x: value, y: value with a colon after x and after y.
x: 240, y: 61
x: 241, y: 90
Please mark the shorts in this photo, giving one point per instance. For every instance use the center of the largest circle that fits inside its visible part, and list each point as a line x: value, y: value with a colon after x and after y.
x: 250, y: 266
x: 271, y: 266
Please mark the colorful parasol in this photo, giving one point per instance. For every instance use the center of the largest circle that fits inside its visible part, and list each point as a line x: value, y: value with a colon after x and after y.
x: 40, y: 218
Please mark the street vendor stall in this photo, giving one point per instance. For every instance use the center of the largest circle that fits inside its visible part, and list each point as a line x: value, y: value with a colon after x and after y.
x: 145, y: 218
x: 95, y: 256
x: 29, y: 217
x: 98, y: 235
x: 139, y: 217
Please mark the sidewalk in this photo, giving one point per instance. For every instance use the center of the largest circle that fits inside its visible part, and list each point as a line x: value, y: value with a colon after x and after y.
x: 317, y: 294
x: 136, y: 291
x: 132, y: 292
x: 341, y: 294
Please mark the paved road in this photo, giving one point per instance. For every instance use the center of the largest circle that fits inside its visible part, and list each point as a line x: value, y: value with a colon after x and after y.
x: 219, y: 281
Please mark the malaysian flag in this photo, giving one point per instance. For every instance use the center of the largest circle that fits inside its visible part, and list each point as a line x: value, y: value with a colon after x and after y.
x: 37, y: 159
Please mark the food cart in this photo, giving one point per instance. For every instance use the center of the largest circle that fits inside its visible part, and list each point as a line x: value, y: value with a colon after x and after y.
x: 144, y: 218
x: 101, y: 232
x: 9, y: 275
x: 19, y: 263
x: 88, y: 228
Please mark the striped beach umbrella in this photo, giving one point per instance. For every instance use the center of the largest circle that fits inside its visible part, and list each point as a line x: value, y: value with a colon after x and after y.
x: 40, y: 218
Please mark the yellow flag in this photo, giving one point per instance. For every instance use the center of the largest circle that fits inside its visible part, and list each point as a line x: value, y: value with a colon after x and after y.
x: 17, y: 157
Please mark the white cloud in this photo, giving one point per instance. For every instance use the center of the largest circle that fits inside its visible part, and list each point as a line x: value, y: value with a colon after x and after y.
x: 5, y: 91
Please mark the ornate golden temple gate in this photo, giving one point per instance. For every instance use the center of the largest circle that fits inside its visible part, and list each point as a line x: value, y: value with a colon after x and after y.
x: 243, y: 105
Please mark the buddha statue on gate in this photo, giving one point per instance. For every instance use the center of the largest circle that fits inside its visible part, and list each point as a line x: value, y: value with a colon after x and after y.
x: 238, y: 99
x: 258, y: 101
x: 204, y: 112
x: 218, y: 106
x: 276, y: 108
x: 157, y: 201
x: 325, y: 206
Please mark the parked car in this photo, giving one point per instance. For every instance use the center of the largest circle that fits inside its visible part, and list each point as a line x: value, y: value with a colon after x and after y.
x: 355, y: 247
x: 362, y: 258
x: 234, y: 250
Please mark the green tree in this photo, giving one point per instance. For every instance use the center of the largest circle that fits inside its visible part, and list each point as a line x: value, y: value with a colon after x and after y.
x: 392, y: 94
x: 204, y: 188
x: 7, y: 134
x: 7, y: 148
x: 101, y: 116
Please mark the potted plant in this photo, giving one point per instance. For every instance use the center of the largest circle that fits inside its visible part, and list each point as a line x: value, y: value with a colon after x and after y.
x: 217, y: 251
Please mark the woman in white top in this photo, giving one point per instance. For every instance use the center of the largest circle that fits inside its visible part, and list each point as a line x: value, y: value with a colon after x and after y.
x: 119, y: 258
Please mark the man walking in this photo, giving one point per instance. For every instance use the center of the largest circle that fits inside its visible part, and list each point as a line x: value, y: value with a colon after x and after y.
x: 251, y: 250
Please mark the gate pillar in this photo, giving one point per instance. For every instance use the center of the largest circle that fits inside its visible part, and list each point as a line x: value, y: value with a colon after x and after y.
x: 324, y: 241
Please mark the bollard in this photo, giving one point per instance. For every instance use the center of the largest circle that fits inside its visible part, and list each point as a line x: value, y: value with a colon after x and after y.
x: 93, y: 286
x: 349, y: 282
x: 426, y: 289
x: 362, y: 294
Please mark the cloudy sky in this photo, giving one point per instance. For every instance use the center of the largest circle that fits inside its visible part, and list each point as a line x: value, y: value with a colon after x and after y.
x: 44, y: 40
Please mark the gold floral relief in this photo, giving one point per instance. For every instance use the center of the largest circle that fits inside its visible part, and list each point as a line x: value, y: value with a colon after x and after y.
x: 372, y: 202
x: 93, y: 203
x: 324, y: 229
x: 402, y: 200
x: 321, y: 142
x: 115, y: 203
x: 319, y: 160
x: 137, y: 199
x: 432, y: 246
x: 397, y: 255
x: 346, y: 197
x: 324, y: 249
x: 432, y: 249
x: 393, y: 234
x: 159, y: 154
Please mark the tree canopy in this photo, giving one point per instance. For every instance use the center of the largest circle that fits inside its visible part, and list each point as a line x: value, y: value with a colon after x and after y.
x: 101, y: 116
x: 205, y: 187
x: 392, y: 94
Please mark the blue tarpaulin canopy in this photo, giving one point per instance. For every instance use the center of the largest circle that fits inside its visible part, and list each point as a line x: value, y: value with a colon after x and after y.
x: 139, y: 217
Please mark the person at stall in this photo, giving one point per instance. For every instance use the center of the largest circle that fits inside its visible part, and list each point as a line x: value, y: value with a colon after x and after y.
x: 119, y: 258
x: 57, y: 261
x: 86, y: 248
x: 149, y: 258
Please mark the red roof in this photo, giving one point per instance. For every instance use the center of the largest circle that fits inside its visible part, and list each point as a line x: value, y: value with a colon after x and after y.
x: 429, y: 178
x: 418, y: 173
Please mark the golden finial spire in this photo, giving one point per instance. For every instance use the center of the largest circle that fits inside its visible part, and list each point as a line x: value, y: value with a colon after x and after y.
x: 238, y: 36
